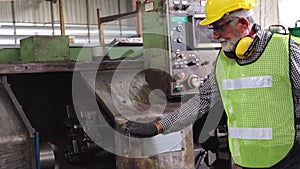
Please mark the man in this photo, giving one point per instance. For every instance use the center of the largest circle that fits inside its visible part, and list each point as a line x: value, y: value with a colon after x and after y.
x: 257, y: 77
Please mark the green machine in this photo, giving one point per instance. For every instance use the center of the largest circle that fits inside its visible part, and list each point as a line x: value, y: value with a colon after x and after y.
x: 35, y: 49
x: 295, y: 31
x: 178, y: 52
x: 44, y: 48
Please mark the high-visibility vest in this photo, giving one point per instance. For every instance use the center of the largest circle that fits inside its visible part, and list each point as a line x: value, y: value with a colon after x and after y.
x: 258, y: 101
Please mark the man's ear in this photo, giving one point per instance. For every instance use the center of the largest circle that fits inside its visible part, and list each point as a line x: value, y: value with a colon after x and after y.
x: 244, y: 22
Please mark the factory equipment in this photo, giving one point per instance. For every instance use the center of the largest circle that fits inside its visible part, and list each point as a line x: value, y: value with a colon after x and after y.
x: 177, y: 50
x: 56, y: 139
x: 277, y: 29
x: 17, y: 138
x: 39, y: 128
x: 178, y: 55
x: 79, y: 146
x: 295, y: 31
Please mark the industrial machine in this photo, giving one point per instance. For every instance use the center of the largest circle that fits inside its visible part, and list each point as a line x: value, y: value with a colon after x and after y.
x: 39, y: 123
x: 177, y: 50
x: 179, y: 54
x: 39, y: 126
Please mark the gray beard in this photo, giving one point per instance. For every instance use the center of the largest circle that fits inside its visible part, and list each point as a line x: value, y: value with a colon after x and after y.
x: 229, y: 46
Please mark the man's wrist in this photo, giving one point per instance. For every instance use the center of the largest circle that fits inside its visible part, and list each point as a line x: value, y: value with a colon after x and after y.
x: 158, y: 127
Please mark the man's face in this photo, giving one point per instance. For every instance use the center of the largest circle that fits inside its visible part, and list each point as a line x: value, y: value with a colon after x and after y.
x: 228, y: 33
x: 229, y: 45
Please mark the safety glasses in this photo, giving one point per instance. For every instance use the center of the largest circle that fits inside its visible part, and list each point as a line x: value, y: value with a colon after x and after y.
x: 220, y: 27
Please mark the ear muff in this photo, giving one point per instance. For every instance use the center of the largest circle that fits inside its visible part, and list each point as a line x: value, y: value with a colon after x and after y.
x: 229, y: 55
x: 244, y: 47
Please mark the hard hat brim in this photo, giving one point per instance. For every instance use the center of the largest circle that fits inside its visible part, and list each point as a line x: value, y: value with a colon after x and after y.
x: 205, y: 22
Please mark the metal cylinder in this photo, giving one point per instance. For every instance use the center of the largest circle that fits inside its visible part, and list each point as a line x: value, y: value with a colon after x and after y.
x: 47, y: 156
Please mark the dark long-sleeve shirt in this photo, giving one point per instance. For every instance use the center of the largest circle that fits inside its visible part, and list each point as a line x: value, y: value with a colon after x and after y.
x: 209, y: 94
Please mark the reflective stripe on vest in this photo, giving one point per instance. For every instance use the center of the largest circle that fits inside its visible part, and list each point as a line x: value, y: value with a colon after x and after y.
x: 247, y: 83
x: 250, y: 133
x: 258, y: 101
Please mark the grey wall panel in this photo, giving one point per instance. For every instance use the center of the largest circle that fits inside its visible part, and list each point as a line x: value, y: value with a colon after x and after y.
x: 75, y: 11
x: 33, y: 17
x: 33, y: 11
x: 5, y: 14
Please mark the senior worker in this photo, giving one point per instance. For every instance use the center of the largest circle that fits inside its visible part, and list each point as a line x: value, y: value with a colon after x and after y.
x: 257, y: 77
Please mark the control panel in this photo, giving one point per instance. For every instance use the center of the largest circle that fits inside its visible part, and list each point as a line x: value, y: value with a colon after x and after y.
x: 178, y: 29
x: 173, y: 62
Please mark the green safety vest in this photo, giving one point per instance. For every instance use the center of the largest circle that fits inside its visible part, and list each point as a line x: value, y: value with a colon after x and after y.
x: 258, y: 101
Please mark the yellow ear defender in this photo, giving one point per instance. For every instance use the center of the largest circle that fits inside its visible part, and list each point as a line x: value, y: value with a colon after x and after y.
x: 245, y: 46
x: 243, y: 49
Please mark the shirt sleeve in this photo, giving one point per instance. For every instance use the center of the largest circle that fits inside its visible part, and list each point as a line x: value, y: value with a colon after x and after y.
x: 295, y: 65
x: 194, y: 108
x: 295, y: 76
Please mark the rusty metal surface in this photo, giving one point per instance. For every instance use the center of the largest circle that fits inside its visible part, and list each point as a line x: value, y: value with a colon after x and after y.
x: 115, y: 17
x: 17, y: 68
x: 183, y: 159
x: 128, y: 41
x: 137, y: 87
x: 14, y: 139
x: 111, y: 89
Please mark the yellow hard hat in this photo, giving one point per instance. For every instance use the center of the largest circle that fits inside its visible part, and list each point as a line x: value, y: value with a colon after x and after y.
x: 216, y: 9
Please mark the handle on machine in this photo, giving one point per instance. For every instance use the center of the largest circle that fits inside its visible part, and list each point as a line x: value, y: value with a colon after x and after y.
x: 279, y: 26
x: 296, y: 23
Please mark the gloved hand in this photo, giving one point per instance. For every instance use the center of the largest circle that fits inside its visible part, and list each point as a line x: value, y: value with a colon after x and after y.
x: 142, y: 129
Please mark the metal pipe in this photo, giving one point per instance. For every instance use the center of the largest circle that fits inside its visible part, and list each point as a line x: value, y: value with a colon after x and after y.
x: 120, y: 23
x: 100, y: 26
x: 52, y: 17
x: 61, y: 16
x: 115, y: 17
x: 14, y: 21
x: 138, y: 25
x: 88, y: 20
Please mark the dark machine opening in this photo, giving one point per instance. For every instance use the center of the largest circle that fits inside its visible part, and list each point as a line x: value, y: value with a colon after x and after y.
x: 47, y: 101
